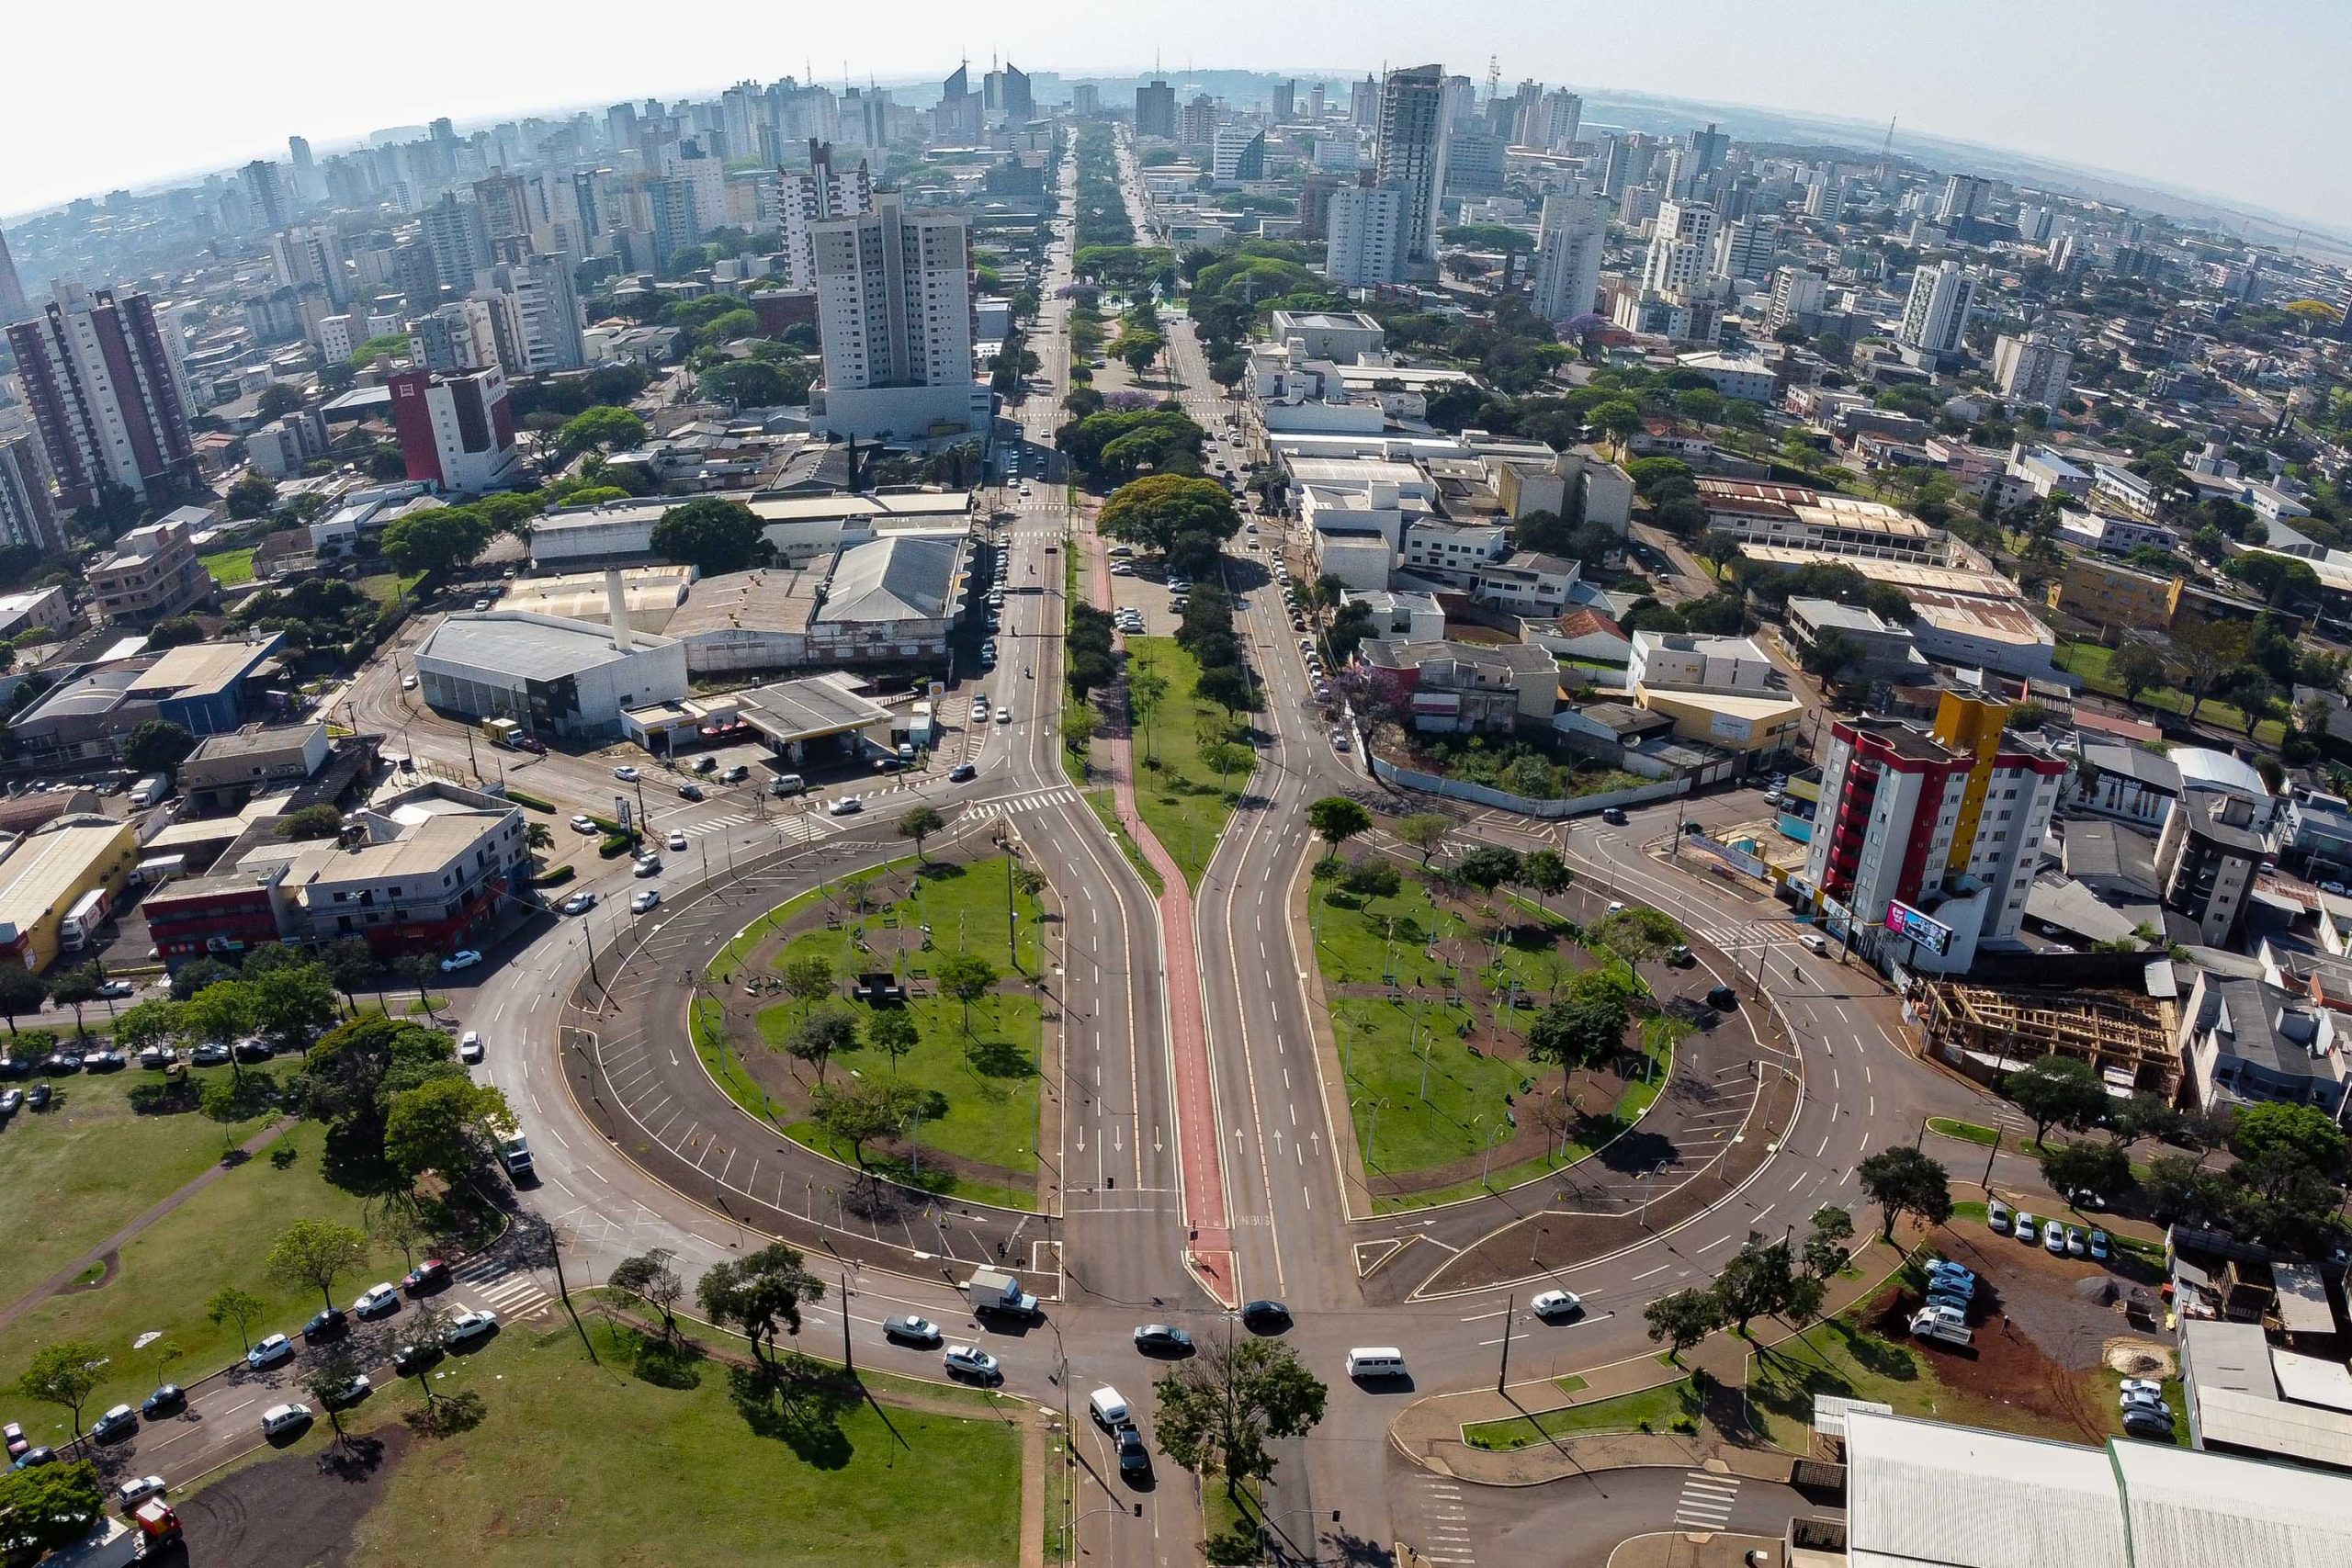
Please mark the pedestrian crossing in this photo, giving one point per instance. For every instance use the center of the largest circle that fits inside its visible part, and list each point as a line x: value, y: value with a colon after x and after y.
x: 710, y: 825
x: 505, y: 1290
x: 1707, y: 1500
x: 1035, y: 800
x: 1445, y: 1523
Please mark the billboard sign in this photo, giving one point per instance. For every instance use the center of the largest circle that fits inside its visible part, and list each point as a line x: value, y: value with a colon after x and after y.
x: 1910, y: 923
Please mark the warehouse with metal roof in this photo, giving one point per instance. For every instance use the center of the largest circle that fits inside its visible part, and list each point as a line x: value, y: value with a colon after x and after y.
x: 551, y: 676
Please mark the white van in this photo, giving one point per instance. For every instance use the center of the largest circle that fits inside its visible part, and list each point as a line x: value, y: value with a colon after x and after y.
x: 1375, y: 1361
x: 787, y: 783
x: 1109, y: 1410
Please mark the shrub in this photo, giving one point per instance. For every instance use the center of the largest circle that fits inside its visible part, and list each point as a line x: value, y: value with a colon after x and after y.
x: 528, y: 802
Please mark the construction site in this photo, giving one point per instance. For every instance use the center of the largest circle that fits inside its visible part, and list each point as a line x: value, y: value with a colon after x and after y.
x: 1985, y: 1030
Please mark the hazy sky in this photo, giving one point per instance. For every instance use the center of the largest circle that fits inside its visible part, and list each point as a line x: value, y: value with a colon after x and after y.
x: 2242, y: 100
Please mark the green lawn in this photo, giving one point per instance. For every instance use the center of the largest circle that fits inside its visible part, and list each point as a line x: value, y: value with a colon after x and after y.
x: 587, y: 1462
x: 1178, y: 794
x: 386, y: 586
x: 1371, y: 941
x: 229, y: 567
x: 218, y: 1238
x: 1383, y: 1051
x: 73, y: 1179
x: 1106, y: 807
x: 1655, y: 1409
x: 2089, y: 659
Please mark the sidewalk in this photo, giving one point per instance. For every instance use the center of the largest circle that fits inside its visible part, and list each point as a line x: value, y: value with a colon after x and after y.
x: 1210, y: 1253
x: 1430, y: 1430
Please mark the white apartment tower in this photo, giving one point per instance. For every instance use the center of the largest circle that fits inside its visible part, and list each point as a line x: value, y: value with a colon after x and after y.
x: 1935, y: 314
x: 535, y: 314
x: 809, y: 199
x: 1568, y: 253
x: 1413, y: 125
x: 894, y: 297
x: 1550, y: 122
x: 1797, y: 293
x: 2035, y: 368
x: 307, y: 255
x: 1681, y: 246
x: 1366, y: 240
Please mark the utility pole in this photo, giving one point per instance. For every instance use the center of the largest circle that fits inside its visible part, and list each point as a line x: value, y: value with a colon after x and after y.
x: 1510, y: 1310
x: 848, y: 1359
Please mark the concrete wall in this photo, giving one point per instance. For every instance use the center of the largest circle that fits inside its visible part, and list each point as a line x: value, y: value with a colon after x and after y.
x: 1576, y: 806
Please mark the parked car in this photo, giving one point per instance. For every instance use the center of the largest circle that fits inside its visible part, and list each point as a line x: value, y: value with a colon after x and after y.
x: 349, y: 1394
x: 330, y: 1323
x: 157, y: 1057
x: 912, y: 1329
x: 430, y: 1275
x: 582, y: 823
x: 11, y: 1102
x: 270, y: 1351
x: 62, y: 1062
x: 2053, y: 1239
x: 38, y: 1097
x: 1163, y: 1339
x: 33, y: 1457
x: 410, y: 1359
x: 2075, y: 1246
x: 280, y: 1419
x: 470, y: 1326
x: 464, y: 958
x: 132, y: 1492
x: 1997, y: 1217
x: 2139, y: 1389
x: 119, y: 1422
x: 2028, y: 1229
x: 376, y: 1300
x: 1556, y: 1303
x: 115, y: 990
x: 2098, y: 1245
x: 250, y: 1049
x: 163, y: 1401
x: 14, y: 1435
x: 211, y: 1053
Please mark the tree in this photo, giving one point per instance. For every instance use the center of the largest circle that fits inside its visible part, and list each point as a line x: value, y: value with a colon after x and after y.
x: 1825, y: 1242
x: 146, y: 1023
x: 435, y: 542
x: 1335, y: 819
x: 47, y: 1507
x: 326, y: 1381
x: 2136, y: 667
x: 64, y: 1374
x: 292, y: 1005
x: 2271, y: 1137
x: 760, y: 1296
x: 1635, y: 933
x: 603, y: 427
x: 441, y: 1124
x: 2145, y: 1115
x: 322, y: 821
x: 1139, y: 348
x: 808, y: 977
x: 1545, y: 874
x: 348, y: 961
x: 1078, y: 723
x: 1487, y: 867
x: 156, y: 746
x: 399, y: 1220
x: 419, y: 969
x: 859, y: 1113
x: 2206, y: 650
x: 920, y: 824
x: 1371, y: 877
x: 712, y: 536
x: 1218, y: 1411
x: 1227, y: 687
x: 893, y: 1032
x: 250, y: 496
x: 76, y: 988
x: 1681, y: 1319
x: 821, y: 1032
x: 21, y: 991
x: 1147, y: 688
x: 1581, y: 1031
x: 1754, y: 1281
x: 1158, y: 510
x: 2087, y: 1166
x: 1902, y: 1180
x: 316, y: 1253
x: 648, y: 1280
x: 2065, y: 1091
x: 967, y: 977
x: 1425, y: 831
x: 230, y: 1304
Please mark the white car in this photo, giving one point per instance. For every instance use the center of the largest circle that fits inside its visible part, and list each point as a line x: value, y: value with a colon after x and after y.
x: 645, y: 901
x: 130, y: 1493
x: 408, y: 682
x: 626, y: 773
x: 469, y: 1046
x: 270, y: 1351
x: 470, y: 1326
x: 280, y: 1418
x: 582, y: 823
x: 847, y: 805
x: 971, y: 1362
x: 375, y: 1299
x: 677, y: 841
x: 2140, y: 1390
x: 1556, y: 1303
x: 464, y: 958
x: 1004, y: 716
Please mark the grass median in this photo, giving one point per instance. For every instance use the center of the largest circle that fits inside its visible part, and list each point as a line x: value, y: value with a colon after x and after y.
x: 1180, y: 796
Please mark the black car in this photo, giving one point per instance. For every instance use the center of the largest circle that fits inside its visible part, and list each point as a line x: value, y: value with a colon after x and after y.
x: 163, y: 1401
x: 410, y: 1359
x: 1723, y: 999
x: 251, y: 1050
x: 62, y: 1062
x: 330, y: 1323
x: 33, y: 1457
x: 689, y: 792
x: 104, y: 1062
x: 1135, y: 1457
x: 11, y: 1102
x: 119, y: 1422
x: 1163, y: 1339
x: 1264, y: 1316
x: 16, y: 1067
x: 1614, y: 815
x: 211, y: 1053
x: 38, y: 1097
x: 961, y: 772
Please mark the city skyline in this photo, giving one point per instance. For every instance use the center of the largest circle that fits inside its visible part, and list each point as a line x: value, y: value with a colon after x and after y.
x: 2077, y: 96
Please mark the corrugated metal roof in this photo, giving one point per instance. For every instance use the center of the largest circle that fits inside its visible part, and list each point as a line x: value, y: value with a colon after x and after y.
x: 1921, y: 1492
x: 2302, y: 1299
x: 2187, y: 1509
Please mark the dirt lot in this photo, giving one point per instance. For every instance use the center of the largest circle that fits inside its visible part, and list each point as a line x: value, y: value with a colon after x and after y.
x: 2038, y: 1293
x: 297, y: 1511
x: 2003, y: 1367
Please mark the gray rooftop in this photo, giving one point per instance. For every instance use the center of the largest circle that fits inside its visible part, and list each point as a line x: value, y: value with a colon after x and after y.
x: 526, y: 646
x: 2109, y: 856
x: 819, y: 704
x: 900, y: 577
x: 2133, y: 763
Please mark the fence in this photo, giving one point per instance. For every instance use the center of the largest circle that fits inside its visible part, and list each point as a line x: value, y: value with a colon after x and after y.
x: 1573, y: 806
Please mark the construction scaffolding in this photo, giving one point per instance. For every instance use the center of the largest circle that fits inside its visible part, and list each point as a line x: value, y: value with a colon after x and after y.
x: 1985, y: 1030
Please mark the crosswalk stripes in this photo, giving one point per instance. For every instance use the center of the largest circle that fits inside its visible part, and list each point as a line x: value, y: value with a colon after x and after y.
x: 1034, y: 801
x: 1446, y: 1524
x: 713, y: 825
x: 504, y: 1291
x: 1707, y: 1500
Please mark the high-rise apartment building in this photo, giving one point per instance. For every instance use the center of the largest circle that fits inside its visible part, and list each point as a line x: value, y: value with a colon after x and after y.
x: 106, y: 394
x: 1550, y: 122
x: 1745, y: 250
x: 1156, y: 110
x: 1568, y: 253
x: 1946, y: 822
x: 14, y: 306
x: 1282, y: 100
x: 2035, y: 368
x: 1627, y: 164
x: 535, y: 314
x: 1413, y: 125
x: 308, y: 186
x: 806, y: 199
x: 894, y: 318
x: 1366, y: 244
x: 457, y: 432
x: 264, y: 193
x: 1196, y: 121
x: 1797, y: 296
x: 1085, y: 100
x: 1238, y: 154
x: 1935, y: 315
x: 1704, y: 152
x: 507, y: 206
x: 1963, y: 199
x: 28, y: 518
x: 306, y: 256
x: 459, y: 244
x: 1681, y: 244
x: 459, y: 335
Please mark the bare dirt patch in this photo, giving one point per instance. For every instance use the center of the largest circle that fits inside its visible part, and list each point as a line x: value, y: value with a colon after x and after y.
x: 296, y: 1511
